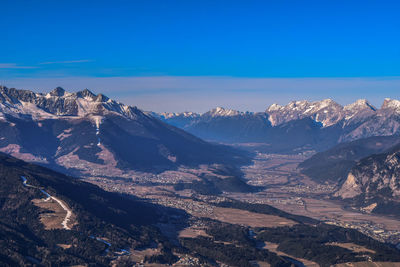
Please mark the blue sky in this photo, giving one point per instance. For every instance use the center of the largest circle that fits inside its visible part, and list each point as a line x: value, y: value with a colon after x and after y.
x: 198, y: 51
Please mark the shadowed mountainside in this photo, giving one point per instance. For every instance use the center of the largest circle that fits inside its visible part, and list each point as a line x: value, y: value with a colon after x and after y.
x: 334, y: 164
x: 124, y: 221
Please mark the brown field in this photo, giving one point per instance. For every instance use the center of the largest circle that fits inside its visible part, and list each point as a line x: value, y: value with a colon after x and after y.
x: 274, y: 248
x: 243, y: 217
x: 270, y: 170
x: 323, y: 208
x: 351, y: 246
x: 192, y: 232
x: 139, y: 255
x: 263, y: 264
x: 53, y: 214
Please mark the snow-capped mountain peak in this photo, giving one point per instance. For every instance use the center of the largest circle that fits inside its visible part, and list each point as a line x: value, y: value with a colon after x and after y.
x: 86, y: 93
x: 392, y: 104
x: 186, y: 114
x: 325, y: 111
x: 274, y: 107
x: 58, y: 91
x: 360, y: 104
x: 222, y: 112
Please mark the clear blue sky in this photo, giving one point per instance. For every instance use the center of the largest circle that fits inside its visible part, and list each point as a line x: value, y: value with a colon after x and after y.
x: 238, y: 39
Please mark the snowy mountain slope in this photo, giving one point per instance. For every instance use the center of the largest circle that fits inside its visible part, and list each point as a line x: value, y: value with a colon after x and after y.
x: 89, y: 134
x: 326, y: 112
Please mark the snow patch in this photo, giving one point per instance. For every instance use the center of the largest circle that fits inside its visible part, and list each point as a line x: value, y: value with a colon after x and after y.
x: 391, y: 104
x: 97, y: 121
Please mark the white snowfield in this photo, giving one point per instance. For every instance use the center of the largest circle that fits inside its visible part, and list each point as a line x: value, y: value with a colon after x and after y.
x: 63, y: 206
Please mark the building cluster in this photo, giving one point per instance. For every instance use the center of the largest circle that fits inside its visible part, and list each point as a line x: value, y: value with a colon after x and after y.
x: 371, y: 230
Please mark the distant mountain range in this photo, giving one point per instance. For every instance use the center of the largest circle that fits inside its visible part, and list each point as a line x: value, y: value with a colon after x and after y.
x: 87, y: 134
x: 298, y: 125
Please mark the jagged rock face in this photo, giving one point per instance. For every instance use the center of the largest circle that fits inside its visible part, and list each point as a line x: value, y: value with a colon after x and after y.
x: 350, y: 188
x: 61, y: 103
x: 377, y: 176
x: 379, y: 122
x: 55, y: 102
x: 326, y: 112
x: 222, y: 112
x: 358, y: 111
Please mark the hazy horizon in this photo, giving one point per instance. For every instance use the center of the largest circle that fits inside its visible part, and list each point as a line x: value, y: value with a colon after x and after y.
x: 200, y: 94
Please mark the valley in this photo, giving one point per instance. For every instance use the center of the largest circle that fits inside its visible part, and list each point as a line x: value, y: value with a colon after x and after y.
x: 289, y: 190
x: 147, y: 192
x: 284, y: 188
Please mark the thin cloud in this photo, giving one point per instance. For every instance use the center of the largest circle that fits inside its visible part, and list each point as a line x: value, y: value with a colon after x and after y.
x: 66, y: 62
x: 177, y: 93
x: 14, y: 66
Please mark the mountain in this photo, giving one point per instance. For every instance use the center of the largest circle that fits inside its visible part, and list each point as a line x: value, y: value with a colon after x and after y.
x: 225, y: 125
x: 87, y: 134
x: 334, y: 164
x: 327, y: 112
x: 47, y: 218
x: 222, y: 125
x: 299, y: 125
x: 380, y: 122
x: 374, y: 184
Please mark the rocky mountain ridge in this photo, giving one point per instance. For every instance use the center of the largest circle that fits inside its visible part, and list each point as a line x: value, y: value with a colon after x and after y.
x: 61, y: 103
x: 327, y: 122
x: 326, y: 111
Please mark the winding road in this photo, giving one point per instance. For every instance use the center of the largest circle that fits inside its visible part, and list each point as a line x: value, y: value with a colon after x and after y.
x: 67, y: 217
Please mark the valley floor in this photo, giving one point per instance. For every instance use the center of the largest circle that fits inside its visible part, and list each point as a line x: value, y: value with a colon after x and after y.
x: 284, y: 188
x: 289, y: 190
